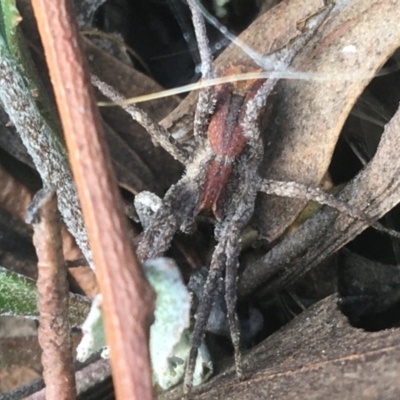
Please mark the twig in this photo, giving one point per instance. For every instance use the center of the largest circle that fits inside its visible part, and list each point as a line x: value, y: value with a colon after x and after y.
x: 54, y: 337
x: 128, y: 300
x: 40, y: 141
x: 15, y: 198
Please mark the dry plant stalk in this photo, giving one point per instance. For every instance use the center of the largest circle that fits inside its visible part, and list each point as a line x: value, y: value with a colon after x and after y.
x: 15, y: 198
x: 54, y: 329
x: 128, y: 300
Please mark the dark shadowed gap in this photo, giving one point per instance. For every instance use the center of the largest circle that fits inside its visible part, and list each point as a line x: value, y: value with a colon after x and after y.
x: 369, y: 275
x: 161, y: 32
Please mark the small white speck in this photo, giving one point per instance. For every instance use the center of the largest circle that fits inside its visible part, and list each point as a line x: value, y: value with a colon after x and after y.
x: 349, y: 49
x: 180, y: 134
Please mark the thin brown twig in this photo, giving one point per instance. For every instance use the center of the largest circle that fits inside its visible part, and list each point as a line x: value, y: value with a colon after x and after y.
x: 54, y: 330
x: 15, y: 198
x: 128, y: 300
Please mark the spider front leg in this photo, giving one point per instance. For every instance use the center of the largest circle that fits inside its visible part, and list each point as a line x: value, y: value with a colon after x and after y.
x: 206, y: 100
x: 177, y: 211
x: 242, y: 209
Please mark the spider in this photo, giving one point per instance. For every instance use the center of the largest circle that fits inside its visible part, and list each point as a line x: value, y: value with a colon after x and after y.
x: 221, y: 175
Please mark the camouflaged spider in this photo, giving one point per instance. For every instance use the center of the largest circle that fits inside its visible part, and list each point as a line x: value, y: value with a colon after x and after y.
x: 220, y: 177
x: 222, y: 174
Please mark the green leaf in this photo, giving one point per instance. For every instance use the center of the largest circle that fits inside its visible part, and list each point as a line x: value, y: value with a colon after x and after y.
x: 9, y: 19
x: 18, y: 296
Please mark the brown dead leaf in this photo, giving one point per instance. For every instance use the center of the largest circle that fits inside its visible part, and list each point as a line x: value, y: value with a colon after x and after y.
x: 132, y: 173
x: 350, y: 47
x: 374, y: 191
x: 318, y: 355
x: 14, y: 199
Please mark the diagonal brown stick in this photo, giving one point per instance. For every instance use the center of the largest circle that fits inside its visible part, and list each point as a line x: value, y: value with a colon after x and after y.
x: 54, y: 338
x: 127, y: 298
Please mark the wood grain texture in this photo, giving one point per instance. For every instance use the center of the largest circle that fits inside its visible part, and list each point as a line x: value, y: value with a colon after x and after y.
x: 52, y: 285
x: 127, y: 298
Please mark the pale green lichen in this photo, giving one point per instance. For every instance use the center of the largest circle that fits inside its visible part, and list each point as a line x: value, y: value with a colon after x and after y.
x: 170, y: 338
x: 93, y: 332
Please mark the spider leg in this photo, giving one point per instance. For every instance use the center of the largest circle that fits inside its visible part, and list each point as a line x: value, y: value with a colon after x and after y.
x: 202, y: 315
x: 231, y: 295
x: 242, y: 206
x: 299, y: 191
x: 225, y: 249
x: 238, y: 212
x: 279, y: 62
x: 206, y: 100
x: 176, y: 211
x: 156, y: 131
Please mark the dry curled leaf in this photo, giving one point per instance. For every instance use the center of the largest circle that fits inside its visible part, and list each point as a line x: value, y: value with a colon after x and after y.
x: 348, y: 50
x: 375, y: 191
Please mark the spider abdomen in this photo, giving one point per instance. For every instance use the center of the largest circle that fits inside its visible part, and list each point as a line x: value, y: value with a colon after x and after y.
x: 225, y: 134
x: 226, y: 139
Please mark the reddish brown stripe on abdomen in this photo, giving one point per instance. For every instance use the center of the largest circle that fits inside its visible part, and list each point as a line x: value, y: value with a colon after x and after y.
x: 216, y: 179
